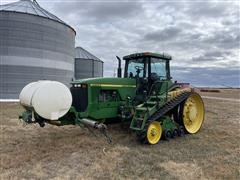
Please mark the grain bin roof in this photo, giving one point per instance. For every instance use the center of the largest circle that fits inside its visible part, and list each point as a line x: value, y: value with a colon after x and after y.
x: 30, y: 7
x: 81, y: 53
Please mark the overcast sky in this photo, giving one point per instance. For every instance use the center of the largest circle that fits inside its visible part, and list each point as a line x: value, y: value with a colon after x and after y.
x: 202, y: 36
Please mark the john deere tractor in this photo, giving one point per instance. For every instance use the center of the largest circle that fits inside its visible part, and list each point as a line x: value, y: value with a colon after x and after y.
x: 145, y: 99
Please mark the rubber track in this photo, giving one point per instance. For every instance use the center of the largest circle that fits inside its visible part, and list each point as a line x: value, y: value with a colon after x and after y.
x: 142, y: 136
x: 169, y: 106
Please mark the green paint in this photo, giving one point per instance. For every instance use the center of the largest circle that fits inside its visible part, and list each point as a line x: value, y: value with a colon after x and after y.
x: 98, y: 108
x: 167, y: 123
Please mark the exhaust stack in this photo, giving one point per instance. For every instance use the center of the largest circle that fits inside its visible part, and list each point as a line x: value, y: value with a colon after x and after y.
x: 119, y: 75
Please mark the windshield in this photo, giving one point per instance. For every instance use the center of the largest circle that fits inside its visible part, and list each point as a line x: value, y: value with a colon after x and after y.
x: 158, y: 67
x: 135, y: 65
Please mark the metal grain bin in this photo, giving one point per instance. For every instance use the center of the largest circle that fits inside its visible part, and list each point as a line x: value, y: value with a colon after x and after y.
x: 34, y: 45
x: 87, y: 65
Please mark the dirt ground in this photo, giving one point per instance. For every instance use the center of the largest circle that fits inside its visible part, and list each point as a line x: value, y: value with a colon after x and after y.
x: 31, y: 152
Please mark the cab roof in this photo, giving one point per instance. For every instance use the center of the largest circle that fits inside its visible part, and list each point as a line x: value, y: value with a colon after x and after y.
x: 148, y: 54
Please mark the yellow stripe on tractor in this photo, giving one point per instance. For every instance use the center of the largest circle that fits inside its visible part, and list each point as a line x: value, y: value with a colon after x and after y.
x: 112, y: 85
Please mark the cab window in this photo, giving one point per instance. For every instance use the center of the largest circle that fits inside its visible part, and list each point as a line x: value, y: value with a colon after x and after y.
x: 158, y: 68
x: 134, y: 66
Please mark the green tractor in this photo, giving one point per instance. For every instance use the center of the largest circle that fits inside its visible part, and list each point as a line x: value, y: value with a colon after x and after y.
x: 145, y: 99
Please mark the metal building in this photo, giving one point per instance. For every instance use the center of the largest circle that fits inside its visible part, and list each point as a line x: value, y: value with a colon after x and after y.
x: 34, y: 45
x: 87, y: 65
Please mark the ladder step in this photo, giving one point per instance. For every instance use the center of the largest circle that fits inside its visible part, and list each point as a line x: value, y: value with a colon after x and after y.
x: 141, y: 109
x: 151, y: 103
x: 135, y: 128
x: 139, y: 119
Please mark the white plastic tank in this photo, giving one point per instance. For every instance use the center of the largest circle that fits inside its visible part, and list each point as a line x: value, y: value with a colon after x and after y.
x: 49, y: 99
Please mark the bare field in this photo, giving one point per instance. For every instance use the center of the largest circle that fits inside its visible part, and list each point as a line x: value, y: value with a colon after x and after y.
x: 69, y: 152
x: 224, y: 93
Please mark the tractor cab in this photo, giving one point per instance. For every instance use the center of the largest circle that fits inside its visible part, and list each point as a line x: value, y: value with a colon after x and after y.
x: 151, y: 71
x: 147, y: 65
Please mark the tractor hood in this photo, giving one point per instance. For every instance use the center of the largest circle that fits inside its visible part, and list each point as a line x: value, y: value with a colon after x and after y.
x: 102, y: 97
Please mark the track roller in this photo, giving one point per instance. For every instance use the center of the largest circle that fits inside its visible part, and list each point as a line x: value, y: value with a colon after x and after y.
x: 181, y: 131
x: 174, y: 133
x: 167, y: 134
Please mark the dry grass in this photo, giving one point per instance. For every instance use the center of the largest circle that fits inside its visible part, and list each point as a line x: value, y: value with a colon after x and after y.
x: 31, y: 152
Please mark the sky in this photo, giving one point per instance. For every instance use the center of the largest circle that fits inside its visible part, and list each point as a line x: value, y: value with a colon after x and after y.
x: 203, y: 37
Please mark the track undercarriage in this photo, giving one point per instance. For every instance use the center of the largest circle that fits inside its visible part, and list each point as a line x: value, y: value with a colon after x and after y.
x: 153, y: 121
